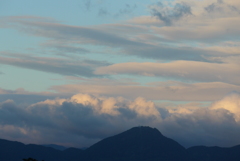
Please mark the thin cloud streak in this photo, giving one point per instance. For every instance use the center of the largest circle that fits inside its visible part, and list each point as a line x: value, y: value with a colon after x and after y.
x: 53, y: 65
x: 94, y: 36
x: 183, y: 70
x: 173, y: 91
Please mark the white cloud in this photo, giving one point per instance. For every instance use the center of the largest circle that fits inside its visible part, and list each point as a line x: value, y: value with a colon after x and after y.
x: 230, y: 103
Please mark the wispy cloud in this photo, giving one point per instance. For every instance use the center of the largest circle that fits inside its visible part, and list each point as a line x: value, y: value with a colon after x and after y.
x: 53, y: 65
x: 100, y: 36
x: 188, y: 70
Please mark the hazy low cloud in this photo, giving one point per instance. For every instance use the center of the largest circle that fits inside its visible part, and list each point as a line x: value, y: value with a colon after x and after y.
x: 174, y: 91
x: 84, y: 119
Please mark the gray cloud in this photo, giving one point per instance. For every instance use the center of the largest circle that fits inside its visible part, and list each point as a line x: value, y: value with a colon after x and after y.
x: 77, y: 33
x: 168, y: 15
x: 70, y: 117
x: 167, y: 52
x: 104, y: 36
x: 65, y: 49
x: 103, y: 12
x: 88, y: 4
x: 25, y: 98
x: 203, y: 127
x: 52, y: 65
x: 84, y: 119
x: 221, y: 6
x: 127, y: 10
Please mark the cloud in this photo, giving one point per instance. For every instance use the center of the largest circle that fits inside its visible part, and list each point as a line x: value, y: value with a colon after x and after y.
x: 131, y: 41
x: 84, y: 119
x: 221, y: 7
x: 171, y: 90
x: 81, y: 116
x: 60, y: 66
x: 21, y: 96
x: 211, y: 22
x: 170, y: 14
x: 127, y: 10
x: 183, y: 70
x: 17, y: 91
x: 65, y: 49
x: 103, y: 12
x: 88, y: 4
x: 214, y: 6
x: 82, y: 35
x: 230, y: 103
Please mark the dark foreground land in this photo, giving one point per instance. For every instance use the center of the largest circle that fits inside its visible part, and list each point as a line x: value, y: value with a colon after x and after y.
x: 136, y: 144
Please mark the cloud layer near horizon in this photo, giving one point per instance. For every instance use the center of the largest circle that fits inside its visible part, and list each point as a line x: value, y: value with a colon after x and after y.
x: 84, y: 119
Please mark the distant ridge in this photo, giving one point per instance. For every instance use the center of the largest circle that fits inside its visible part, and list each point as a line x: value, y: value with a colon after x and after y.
x: 57, y: 147
x: 15, y: 151
x: 136, y: 144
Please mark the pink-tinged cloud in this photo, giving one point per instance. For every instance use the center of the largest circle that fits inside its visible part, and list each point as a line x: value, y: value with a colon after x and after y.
x: 173, y: 91
x: 185, y: 70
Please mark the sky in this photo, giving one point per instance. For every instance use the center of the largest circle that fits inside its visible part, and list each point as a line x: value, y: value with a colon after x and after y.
x: 75, y: 72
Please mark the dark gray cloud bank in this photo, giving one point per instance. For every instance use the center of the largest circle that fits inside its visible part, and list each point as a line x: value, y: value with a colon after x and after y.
x: 83, y: 119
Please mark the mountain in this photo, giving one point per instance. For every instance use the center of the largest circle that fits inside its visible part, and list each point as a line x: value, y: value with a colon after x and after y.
x: 58, y: 147
x: 15, y: 151
x: 203, y: 153
x: 136, y: 144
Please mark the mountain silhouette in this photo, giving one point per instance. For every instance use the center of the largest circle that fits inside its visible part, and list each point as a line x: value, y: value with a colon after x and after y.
x: 58, y: 147
x: 136, y: 144
x: 203, y: 153
x: 15, y: 151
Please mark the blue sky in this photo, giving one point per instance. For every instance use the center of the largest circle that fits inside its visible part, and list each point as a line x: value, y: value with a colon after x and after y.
x: 168, y: 64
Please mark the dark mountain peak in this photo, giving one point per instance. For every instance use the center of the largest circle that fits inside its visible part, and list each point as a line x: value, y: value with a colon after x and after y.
x: 138, y: 143
x: 145, y: 130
